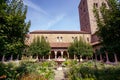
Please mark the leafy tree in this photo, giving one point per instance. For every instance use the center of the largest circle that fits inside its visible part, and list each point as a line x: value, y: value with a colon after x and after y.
x: 108, y: 22
x: 13, y: 27
x: 39, y: 47
x: 45, y: 47
x: 2, y: 22
x: 34, y: 48
x: 81, y: 48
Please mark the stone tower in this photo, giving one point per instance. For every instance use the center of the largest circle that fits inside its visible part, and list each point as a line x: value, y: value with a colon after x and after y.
x: 86, y: 15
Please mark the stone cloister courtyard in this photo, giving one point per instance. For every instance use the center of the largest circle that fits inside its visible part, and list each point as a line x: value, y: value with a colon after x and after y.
x: 91, y: 52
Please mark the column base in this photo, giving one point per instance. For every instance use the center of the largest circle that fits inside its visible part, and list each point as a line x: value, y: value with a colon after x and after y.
x: 108, y: 62
x: 49, y: 59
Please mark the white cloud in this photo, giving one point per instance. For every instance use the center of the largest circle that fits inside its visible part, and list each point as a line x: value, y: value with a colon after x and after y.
x: 54, y: 21
x: 34, y: 6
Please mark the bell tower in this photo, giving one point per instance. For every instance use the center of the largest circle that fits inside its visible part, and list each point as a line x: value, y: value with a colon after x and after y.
x: 86, y: 15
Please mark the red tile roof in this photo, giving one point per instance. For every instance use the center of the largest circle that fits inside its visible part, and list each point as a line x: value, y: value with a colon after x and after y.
x: 95, y: 43
x: 58, y: 32
x: 59, y: 44
x: 94, y: 38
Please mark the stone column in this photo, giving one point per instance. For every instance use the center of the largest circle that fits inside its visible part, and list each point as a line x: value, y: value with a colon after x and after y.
x: 106, y: 53
x: 55, y: 54
x: 18, y: 57
x: 115, y: 56
x: 68, y: 55
x: 49, y: 57
x: 11, y: 58
x: 101, y: 57
x: 43, y: 58
x: 3, y: 58
x: 74, y: 57
x: 95, y: 56
x: 61, y: 54
x: 81, y: 58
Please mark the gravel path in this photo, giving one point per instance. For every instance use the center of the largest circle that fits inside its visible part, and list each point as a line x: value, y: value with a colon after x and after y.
x: 59, y: 75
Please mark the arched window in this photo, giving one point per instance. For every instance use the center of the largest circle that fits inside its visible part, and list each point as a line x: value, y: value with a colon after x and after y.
x: 57, y: 39
x: 46, y: 38
x: 95, y: 5
x: 61, y: 39
x: 103, y: 4
x: 88, y: 39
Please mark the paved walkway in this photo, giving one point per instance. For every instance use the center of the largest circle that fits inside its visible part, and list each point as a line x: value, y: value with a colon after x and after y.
x: 59, y: 75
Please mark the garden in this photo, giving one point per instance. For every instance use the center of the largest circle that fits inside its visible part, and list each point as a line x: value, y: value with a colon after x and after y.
x: 92, y: 70
x: 27, y: 70
x: 72, y: 69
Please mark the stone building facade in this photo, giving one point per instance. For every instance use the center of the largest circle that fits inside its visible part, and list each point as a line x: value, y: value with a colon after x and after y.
x: 60, y: 40
x: 86, y: 14
x: 87, y: 18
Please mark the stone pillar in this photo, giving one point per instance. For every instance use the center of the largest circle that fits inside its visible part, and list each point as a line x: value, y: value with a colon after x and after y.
x: 81, y: 58
x: 55, y: 54
x: 3, y: 58
x: 18, y: 57
x: 68, y: 55
x: 106, y: 53
x: 95, y: 56
x: 115, y: 56
x: 74, y: 57
x: 49, y: 57
x: 11, y: 58
x: 43, y: 58
x: 101, y: 57
x: 61, y: 54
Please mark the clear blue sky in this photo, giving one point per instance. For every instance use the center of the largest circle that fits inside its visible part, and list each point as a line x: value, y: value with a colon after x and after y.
x: 53, y: 14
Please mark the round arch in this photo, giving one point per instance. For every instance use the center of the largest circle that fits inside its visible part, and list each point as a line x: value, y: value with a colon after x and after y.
x: 59, y: 54
x: 52, y: 55
x: 65, y: 54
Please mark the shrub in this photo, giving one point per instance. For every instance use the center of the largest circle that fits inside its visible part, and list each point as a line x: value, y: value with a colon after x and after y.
x: 40, y: 69
x: 88, y: 71
x: 69, y: 63
x: 8, y: 70
x: 26, y: 71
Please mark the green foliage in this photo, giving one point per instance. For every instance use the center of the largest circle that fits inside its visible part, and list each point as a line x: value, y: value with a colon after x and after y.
x: 39, y: 46
x: 109, y: 25
x: 69, y: 63
x: 27, y: 71
x: 27, y: 68
x: 45, y: 47
x: 49, y: 64
x: 88, y: 71
x: 13, y: 27
x: 80, y: 47
x: 9, y: 70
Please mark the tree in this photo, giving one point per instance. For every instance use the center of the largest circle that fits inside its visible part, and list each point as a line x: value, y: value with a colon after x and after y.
x: 80, y: 48
x: 45, y: 47
x: 2, y: 22
x: 108, y: 22
x: 39, y: 47
x: 13, y: 27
